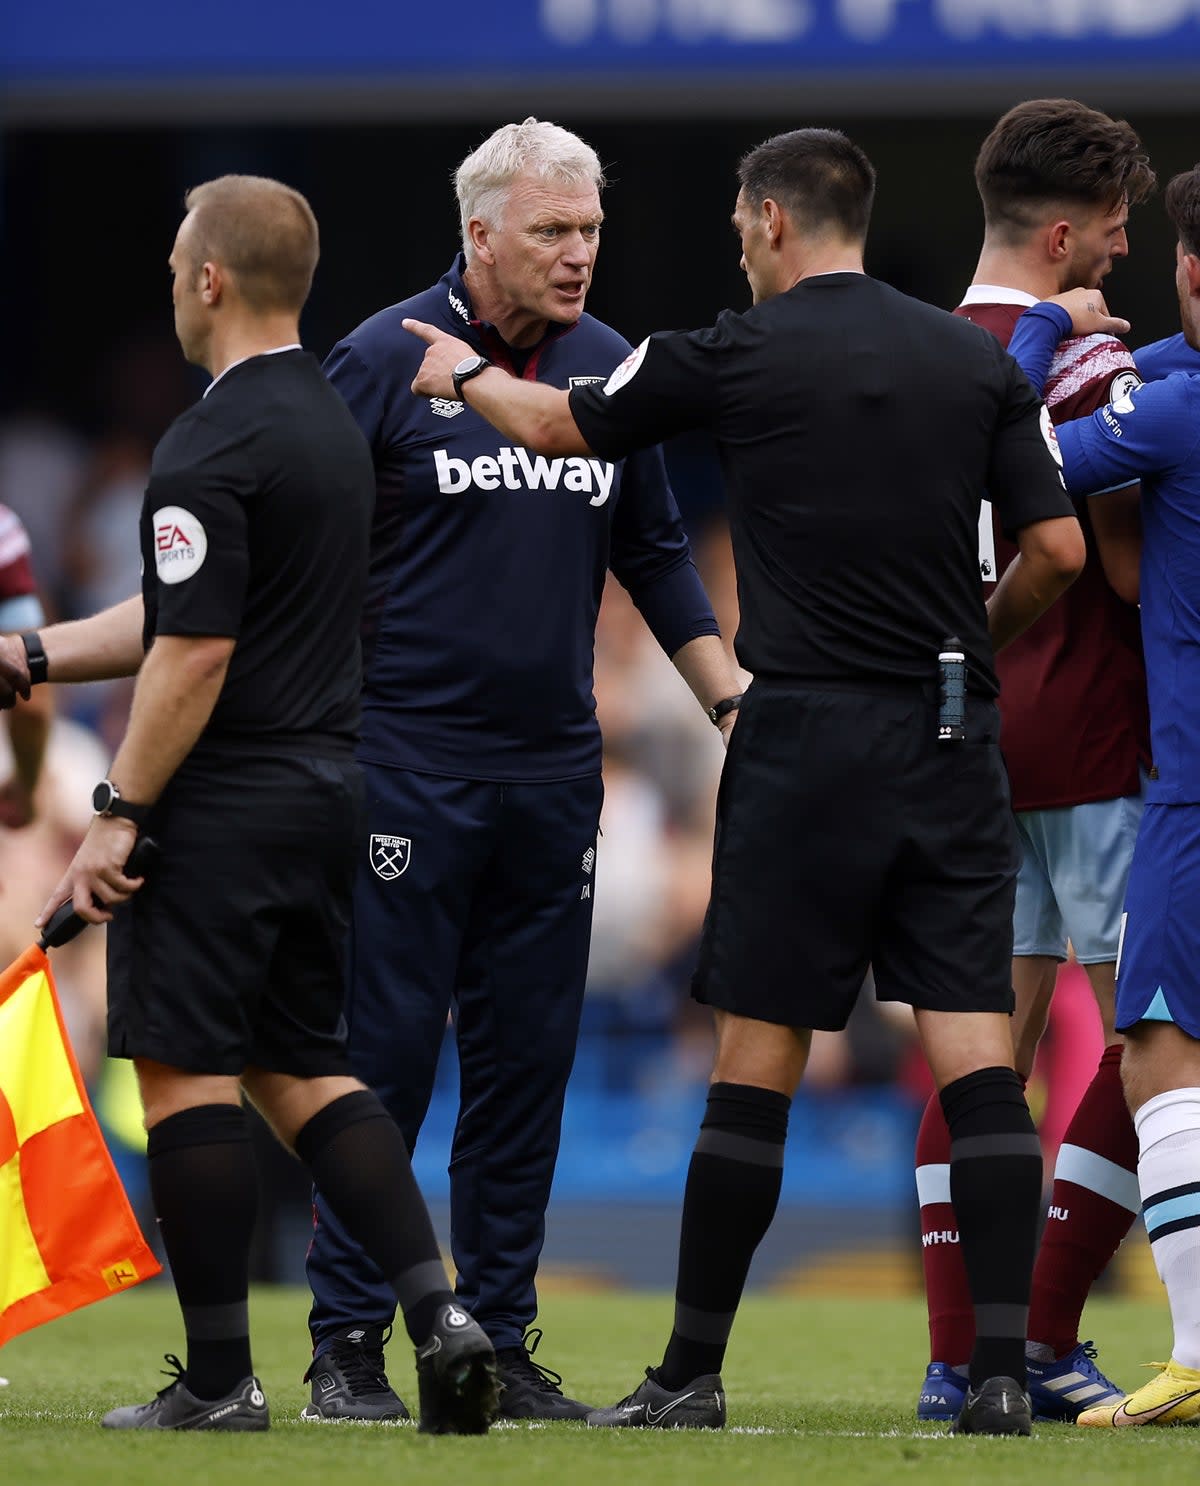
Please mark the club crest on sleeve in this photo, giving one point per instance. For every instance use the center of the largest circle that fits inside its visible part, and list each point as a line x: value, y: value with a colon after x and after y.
x: 390, y: 856
x: 445, y: 407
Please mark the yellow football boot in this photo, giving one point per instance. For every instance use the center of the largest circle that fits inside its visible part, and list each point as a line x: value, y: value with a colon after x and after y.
x: 1173, y: 1397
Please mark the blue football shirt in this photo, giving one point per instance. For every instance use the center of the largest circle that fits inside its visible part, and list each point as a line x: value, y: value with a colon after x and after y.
x: 1161, y: 358
x: 1151, y: 434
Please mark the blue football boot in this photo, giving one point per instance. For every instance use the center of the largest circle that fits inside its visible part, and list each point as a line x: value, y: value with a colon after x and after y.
x: 1062, y: 1390
x: 942, y: 1393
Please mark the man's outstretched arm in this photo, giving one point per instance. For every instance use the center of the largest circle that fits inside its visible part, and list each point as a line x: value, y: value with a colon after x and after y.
x: 101, y: 648
x: 529, y: 413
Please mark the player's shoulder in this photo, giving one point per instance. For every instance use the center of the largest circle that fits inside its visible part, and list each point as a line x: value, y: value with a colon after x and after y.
x: 1160, y: 358
x: 1094, y: 368
x: 1176, y: 393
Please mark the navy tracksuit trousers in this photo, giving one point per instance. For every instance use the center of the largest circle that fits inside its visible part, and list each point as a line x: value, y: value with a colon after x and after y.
x: 473, y: 899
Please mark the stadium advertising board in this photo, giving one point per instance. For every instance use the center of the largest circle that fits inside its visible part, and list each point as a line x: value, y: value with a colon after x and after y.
x: 596, y: 40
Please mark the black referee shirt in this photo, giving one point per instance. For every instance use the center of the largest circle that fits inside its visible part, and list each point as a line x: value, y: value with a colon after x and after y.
x: 255, y: 525
x: 858, y: 430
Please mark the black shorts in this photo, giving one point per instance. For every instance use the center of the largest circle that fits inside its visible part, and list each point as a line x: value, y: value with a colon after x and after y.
x: 232, y: 954
x: 848, y: 836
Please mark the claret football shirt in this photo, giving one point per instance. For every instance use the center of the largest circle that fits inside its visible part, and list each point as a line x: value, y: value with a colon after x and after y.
x: 1074, y: 723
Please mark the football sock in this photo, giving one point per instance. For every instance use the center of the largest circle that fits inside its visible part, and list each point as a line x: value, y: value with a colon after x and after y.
x: 1092, y: 1204
x: 361, y: 1167
x: 205, y: 1188
x: 996, y: 1188
x: 1168, y: 1128
x: 947, y: 1293
x: 732, y: 1191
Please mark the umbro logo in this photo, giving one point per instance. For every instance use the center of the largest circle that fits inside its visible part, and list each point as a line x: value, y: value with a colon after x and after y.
x: 445, y: 407
x: 589, y: 859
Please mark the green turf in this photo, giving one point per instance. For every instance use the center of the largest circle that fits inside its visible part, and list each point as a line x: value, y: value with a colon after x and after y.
x: 820, y: 1394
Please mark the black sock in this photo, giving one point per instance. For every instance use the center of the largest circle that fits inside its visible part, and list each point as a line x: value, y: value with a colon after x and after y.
x: 732, y: 1191
x: 205, y: 1188
x: 360, y: 1164
x: 996, y: 1190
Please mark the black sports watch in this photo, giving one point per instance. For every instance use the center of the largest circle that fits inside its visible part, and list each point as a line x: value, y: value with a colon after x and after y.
x: 724, y: 708
x: 468, y: 367
x: 35, y: 657
x: 106, y: 800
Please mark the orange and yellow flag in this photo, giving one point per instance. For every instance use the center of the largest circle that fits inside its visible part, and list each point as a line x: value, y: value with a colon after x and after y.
x: 67, y: 1233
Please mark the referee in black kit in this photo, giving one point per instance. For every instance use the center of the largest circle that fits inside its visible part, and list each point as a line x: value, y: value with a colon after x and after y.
x: 858, y: 431
x: 225, y: 972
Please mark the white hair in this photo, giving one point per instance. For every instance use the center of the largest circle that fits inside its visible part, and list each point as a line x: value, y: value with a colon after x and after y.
x: 535, y: 148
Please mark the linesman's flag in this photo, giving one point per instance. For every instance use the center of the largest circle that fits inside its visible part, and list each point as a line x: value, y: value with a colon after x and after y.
x: 67, y: 1233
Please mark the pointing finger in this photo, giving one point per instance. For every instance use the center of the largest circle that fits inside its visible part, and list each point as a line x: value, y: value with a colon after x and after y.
x: 427, y: 333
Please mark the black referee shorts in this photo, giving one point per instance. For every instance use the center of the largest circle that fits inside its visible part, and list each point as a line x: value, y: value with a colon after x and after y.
x: 848, y: 836
x: 232, y: 954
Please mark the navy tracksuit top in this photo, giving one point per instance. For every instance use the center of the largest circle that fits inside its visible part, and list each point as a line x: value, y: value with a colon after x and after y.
x: 488, y: 562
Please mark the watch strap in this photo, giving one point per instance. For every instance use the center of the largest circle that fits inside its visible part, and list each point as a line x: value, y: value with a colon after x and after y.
x: 121, y: 808
x: 126, y: 810
x: 458, y: 378
x: 35, y: 657
x: 724, y: 707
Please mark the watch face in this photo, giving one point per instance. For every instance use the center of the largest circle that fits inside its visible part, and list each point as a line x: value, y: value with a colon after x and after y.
x: 467, y: 364
x: 103, y: 796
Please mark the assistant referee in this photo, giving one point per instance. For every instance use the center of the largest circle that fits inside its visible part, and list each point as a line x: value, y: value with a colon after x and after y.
x: 225, y: 971
x: 858, y: 431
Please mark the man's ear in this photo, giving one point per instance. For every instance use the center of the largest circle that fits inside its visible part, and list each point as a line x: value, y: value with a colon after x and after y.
x: 1058, y: 240
x: 480, y: 237
x: 211, y: 283
x: 1191, y: 273
x: 772, y: 221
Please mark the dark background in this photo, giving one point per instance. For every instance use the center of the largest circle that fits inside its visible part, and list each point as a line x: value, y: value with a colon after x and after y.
x: 88, y: 216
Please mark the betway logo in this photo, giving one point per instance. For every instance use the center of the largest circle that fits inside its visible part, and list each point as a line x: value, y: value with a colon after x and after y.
x: 517, y: 469
x: 947, y: 1235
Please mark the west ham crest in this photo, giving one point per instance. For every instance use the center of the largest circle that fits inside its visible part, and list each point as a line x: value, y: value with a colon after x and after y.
x: 389, y: 855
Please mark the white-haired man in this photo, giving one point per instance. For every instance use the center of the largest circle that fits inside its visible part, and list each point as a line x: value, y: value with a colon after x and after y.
x: 481, y: 748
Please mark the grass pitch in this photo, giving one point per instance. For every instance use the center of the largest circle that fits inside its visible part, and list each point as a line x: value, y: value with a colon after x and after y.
x: 821, y: 1393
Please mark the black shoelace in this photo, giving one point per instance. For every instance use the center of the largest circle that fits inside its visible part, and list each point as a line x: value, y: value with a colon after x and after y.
x: 544, y: 1379
x: 176, y: 1374
x: 363, y: 1368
